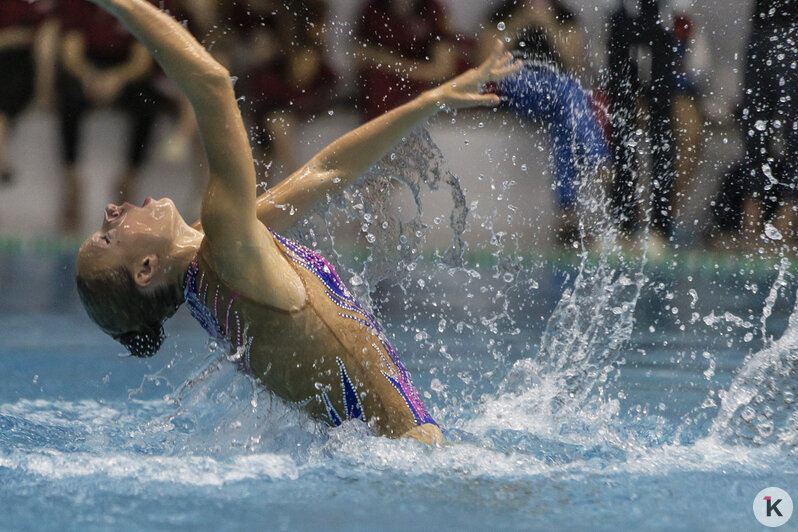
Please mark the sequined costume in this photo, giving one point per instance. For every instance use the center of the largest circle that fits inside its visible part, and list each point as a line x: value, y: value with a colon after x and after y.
x: 330, y: 356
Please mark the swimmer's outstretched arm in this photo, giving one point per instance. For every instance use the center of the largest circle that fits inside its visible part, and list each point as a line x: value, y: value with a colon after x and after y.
x: 205, y: 82
x: 241, y: 250
x: 347, y: 158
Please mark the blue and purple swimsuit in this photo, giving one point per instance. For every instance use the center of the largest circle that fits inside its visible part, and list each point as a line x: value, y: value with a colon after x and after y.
x: 330, y: 356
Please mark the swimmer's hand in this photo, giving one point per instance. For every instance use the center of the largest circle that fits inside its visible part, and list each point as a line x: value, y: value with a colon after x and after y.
x: 468, y: 89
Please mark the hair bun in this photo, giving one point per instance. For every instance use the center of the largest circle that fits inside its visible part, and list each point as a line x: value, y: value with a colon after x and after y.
x: 144, y: 343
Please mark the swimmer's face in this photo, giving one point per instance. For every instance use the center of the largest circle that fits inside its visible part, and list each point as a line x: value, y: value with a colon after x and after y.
x: 128, y: 233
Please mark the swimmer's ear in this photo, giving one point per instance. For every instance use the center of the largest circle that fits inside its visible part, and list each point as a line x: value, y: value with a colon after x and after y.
x: 145, y: 270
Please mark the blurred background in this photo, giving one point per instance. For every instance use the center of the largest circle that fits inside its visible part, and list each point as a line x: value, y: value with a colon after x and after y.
x: 681, y: 111
x: 574, y: 376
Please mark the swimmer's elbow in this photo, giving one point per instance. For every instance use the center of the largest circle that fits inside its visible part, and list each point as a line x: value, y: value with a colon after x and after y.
x: 216, y: 74
x: 214, y: 83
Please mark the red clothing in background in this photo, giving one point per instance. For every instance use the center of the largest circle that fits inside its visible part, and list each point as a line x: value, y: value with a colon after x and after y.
x: 268, y: 82
x: 411, y: 37
x: 269, y: 89
x: 17, y: 65
x: 106, y: 39
x: 16, y: 13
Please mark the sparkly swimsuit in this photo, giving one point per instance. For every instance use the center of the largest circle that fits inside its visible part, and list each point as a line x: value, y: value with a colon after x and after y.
x: 330, y: 356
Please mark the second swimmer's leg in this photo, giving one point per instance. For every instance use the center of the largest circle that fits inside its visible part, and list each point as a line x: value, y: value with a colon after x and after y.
x: 426, y: 433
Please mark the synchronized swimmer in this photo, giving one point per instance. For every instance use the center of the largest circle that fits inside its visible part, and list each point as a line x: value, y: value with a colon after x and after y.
x: 278, y: 305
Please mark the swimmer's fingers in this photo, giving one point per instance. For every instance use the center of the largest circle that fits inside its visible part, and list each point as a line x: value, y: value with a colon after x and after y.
x: 498, y: 56
x: 469, y: 88
x: 486, y: 100
x: 499, y: 65
x: 501, y: 73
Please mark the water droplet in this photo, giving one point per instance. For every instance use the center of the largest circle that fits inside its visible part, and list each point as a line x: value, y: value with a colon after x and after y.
x: 501, y: 26
x: 769, y: 174
x: 760, y: 125
x: 765, y: 428
x: 772, y: 233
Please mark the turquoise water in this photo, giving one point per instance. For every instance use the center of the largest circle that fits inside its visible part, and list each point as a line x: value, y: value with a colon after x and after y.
x: 602, y: 409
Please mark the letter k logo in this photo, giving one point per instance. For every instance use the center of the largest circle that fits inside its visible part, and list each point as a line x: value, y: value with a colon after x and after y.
x: 772, y: 506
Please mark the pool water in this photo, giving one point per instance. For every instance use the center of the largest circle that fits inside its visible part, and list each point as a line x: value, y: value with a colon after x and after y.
x: 606, y: 400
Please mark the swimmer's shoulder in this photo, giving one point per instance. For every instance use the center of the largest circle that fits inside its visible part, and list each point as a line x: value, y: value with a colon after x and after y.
x: 257, y: 268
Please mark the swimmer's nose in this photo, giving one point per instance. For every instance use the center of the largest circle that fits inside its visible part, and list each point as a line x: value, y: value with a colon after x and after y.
x: 111, y: 212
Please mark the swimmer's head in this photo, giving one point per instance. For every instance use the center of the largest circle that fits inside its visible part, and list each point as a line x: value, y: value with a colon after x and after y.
x: 126, y: 273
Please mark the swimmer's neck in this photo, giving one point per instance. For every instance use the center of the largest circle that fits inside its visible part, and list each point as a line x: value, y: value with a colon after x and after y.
x: 184, y: 249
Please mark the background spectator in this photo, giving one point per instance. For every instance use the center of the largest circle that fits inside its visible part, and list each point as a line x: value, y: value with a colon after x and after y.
x: 561, y: 34
x: 27, y: 54
x: 691, y: 85
x: 547, y: 35
x: 100, y: 64
x: 404, y: 47
x: 770, y: 105
x: 545, y: 30
x: 761, y: 187
x: 284, y: 72
x: 632, y: 27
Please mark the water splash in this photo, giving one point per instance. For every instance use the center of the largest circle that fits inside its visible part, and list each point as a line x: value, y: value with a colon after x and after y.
x: 561, y: 394
x: 212, y: 407
x: 391, y: 232
x: 760, y: 406
x: 594, y: 318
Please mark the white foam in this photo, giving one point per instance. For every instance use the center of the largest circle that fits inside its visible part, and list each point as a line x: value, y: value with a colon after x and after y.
x: 186, y: 470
